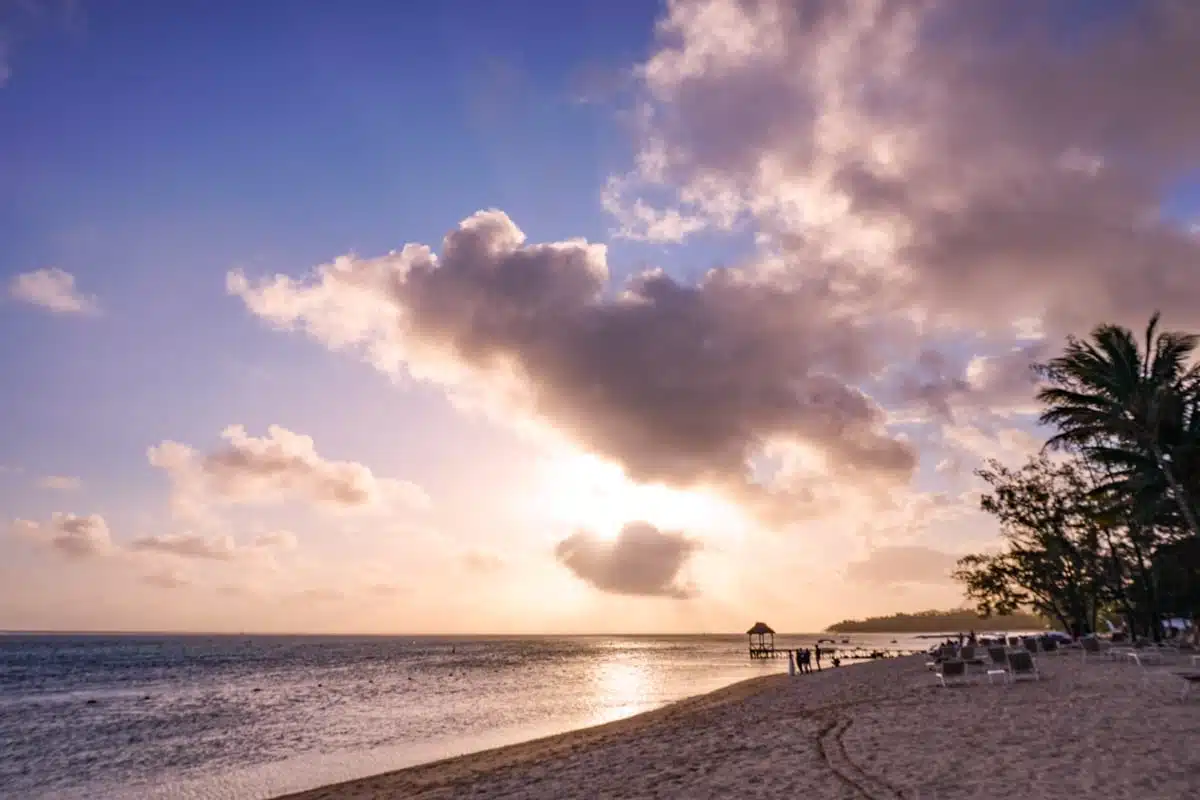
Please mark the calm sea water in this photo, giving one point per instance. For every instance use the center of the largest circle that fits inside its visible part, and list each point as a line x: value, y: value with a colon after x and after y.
x: 235, y: 717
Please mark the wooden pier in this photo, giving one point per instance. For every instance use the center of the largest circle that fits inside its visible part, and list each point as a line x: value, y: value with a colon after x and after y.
x: 761, y: 641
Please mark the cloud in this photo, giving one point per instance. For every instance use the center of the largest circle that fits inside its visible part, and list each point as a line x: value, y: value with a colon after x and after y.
x: 641, y: 560
x: 280, y: 540
x: 59, y: 482
x: 956, y: 164
x: 679, y: 384
x: 52, y: 289
x: 973, y: 445
x: 482, y: 561
x: 166, y: 579
x: 187, y: 545
x: 69, y: 535
x: 279, y: 466
x: 900, y: 564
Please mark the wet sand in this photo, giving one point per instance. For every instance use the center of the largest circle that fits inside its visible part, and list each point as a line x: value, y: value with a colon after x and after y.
x: 883, y: 729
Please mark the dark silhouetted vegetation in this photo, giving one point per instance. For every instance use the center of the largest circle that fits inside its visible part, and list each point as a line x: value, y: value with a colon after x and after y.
x: 1107, y: 527
x: 939, y: 622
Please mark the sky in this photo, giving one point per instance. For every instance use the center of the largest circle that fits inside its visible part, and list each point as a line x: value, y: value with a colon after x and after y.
x: 540, y: 317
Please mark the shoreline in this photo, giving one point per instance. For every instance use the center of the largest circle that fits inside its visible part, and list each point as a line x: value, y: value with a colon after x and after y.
x: 883, y: 728
x: 444, y: 774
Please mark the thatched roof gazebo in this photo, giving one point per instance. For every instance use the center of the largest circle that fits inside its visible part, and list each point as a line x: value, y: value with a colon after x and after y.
x: 762, y: 640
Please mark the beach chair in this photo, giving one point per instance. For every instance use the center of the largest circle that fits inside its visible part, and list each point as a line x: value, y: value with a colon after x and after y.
x: 1189, y: 678
x: 968, y: 655
x: 1021, y: 662
x: 1140, y: 659
x: 999, y: 666
x: 1030, y: 643
x: 1145, y: 651
x: 1050, y: 645
x: 1091, y: 646
x: 951, y: 671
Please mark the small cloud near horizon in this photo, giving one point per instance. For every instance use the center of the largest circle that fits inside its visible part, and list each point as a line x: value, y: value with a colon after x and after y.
x: 641, y: 560
x: 70, y: 535
x: 54, y: 290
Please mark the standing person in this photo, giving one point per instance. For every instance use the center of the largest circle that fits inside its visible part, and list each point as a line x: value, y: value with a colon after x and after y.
x: 792, y: 664
x: 817, y: 652
x: 807, y: 662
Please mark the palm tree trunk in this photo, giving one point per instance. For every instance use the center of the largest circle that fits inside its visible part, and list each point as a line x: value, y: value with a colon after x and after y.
x: 1153, y: 616
x: 1181, y: 498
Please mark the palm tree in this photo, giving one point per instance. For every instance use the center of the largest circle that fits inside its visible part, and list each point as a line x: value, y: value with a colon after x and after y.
x: 1132, y: 409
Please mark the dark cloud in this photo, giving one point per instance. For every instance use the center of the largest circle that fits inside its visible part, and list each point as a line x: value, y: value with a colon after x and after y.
x: 641, y: 560
x: 679, y: 384
x: 899, y: 564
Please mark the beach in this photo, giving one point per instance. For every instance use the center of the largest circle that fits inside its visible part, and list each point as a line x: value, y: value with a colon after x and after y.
x: 884, y: 729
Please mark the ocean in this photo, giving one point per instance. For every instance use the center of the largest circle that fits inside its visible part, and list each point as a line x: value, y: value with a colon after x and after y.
x: 246, y: 717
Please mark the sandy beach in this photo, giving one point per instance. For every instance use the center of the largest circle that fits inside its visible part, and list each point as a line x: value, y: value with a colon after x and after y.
x: 884, y: 729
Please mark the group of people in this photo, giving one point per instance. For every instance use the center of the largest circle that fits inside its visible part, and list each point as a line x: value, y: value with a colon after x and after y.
x: 802, y: 660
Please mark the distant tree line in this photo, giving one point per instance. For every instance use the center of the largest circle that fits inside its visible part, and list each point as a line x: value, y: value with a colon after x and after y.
x: 1103, y: 524
x: 940, y: 622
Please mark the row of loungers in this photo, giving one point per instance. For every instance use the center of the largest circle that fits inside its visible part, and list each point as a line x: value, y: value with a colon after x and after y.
x: 1140, y: 654
x: 1011, y: 663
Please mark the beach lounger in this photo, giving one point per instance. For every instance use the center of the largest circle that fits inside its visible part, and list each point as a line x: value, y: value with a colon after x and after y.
x: 1020, y: 662
x: 1147, y: 652
x: 1091, y: 646
x: 1030, y: 643
x: 999, y: 655
x: 951, y: 671
x: 1189, y: 678
x: 968, y: 655
x: 1050, y: 645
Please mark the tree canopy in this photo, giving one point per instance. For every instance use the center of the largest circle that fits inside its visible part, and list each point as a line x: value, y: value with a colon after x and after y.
x: 939, y: 622
x: 1106, y: 527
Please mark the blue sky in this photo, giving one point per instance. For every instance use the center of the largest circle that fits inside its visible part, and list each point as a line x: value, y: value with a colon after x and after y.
x: 158, y: 146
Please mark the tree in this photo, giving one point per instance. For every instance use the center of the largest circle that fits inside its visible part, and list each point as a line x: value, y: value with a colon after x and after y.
x: 1177, y: 571
x: 1130, y: 409
x: 1054, y: 559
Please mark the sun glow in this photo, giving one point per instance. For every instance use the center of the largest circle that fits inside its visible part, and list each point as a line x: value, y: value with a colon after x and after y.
x: 587, y: 492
